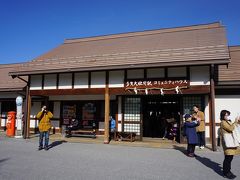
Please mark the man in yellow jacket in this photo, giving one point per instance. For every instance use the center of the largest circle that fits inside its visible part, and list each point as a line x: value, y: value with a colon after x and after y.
x: 44, y: 126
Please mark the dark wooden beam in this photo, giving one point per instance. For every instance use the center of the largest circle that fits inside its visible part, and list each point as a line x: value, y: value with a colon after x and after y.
x: 115, y: 91
x: 212, y: 90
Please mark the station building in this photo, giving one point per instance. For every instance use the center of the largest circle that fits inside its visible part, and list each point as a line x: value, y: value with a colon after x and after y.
x: 139, y: 78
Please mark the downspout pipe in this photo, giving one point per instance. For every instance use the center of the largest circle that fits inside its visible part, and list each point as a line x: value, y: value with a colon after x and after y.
x: 25, y: 127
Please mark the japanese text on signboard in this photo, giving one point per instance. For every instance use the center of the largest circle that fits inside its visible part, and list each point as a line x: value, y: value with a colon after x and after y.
x: 155, y: 83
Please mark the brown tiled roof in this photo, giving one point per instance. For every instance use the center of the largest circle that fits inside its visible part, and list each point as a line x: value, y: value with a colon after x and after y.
x: 231, y: 74
x: 200, y: 44
x: 7, y: 83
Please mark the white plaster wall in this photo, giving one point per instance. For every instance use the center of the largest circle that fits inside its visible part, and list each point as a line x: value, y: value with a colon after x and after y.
x: 79, y: 97
x: 199, y: 75
x: 135, y: 74
x: 116, y: 79
x: 65, y: 81
x: 206, y: 110
x: 36, y: 82
x: 177, y: 72
x: 81, y: 80
x: 98, y: 79
x: 50, y: 81
x: 3, y: 121
x: 35, y: 108
x: 120, y: 127
x: 207, y: 131
x: 33, y: 123
x: 120, y: 113
x: 206, y: 113
x: 101, y: 126
x: 56, y: 109
x: 155, y: 73
x: 227, y: 102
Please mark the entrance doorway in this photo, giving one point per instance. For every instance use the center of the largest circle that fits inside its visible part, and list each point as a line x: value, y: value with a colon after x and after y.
x: 161, y: 116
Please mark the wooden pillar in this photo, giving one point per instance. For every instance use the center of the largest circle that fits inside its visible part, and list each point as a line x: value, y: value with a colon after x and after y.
x: 212, y: 88
x: 27, y: 113
x: 107, y: 107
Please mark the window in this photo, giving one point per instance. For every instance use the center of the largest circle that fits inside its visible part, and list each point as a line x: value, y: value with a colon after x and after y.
x: 177, y: 72
x: 132, y: 115
x: 189, y: 102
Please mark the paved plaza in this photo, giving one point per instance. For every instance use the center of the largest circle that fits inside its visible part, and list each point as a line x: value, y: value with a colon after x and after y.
x: 20, y: 160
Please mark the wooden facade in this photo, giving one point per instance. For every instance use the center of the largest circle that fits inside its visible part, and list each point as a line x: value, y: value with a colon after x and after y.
x: 110, y: 84
x: 140, y: 73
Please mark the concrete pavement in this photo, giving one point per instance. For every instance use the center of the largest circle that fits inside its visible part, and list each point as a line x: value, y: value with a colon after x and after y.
x: 20, y: 160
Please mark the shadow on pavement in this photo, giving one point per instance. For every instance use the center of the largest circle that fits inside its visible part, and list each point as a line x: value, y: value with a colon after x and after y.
x: 210, y: 164
x: 4, y: 159
x: 56, y: 143
x: 205, y: 161
x: 180, y: 148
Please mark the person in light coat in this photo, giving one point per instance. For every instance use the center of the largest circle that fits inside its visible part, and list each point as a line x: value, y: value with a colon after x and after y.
x: 199, y: 116
x: 227, y: 126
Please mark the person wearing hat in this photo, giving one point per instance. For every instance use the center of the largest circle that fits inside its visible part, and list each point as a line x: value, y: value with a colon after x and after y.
x: 191, y: 134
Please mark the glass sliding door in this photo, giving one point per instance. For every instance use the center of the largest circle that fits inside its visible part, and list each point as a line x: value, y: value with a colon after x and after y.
x: 132, y: 115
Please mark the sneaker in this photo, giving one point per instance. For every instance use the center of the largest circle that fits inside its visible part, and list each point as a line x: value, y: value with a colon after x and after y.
x: 163, y: 138
x: 229, y: 175
x: 46, y: 148
x: 191, y: 155
x: 40, y: 148
x: 201, y: 147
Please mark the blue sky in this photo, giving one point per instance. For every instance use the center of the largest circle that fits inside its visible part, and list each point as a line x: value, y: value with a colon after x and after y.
x: 29, y: 28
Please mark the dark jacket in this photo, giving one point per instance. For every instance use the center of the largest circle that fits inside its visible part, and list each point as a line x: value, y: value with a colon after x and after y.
x: 190, y: 130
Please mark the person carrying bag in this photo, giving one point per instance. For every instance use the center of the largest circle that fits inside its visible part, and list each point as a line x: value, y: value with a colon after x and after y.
x: 230, y: 143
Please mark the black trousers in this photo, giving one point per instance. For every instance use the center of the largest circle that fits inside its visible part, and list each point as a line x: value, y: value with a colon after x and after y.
x: 201, y: 138
x: 191, y: 148
x: 227, y: 164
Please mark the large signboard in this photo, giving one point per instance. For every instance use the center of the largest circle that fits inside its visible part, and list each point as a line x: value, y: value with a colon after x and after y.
x: 156, y: 83
x: 146, y: 85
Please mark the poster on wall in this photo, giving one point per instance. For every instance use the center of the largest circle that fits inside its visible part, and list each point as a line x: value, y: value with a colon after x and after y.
x: 69, y: 113
x: 88, y: 114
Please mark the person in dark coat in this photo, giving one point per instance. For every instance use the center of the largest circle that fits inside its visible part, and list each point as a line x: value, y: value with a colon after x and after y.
x: 191, y: 134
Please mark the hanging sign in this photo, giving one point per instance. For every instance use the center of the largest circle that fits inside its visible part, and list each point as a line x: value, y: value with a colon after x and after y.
x: 149, y: 86
x: 156, y: 84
